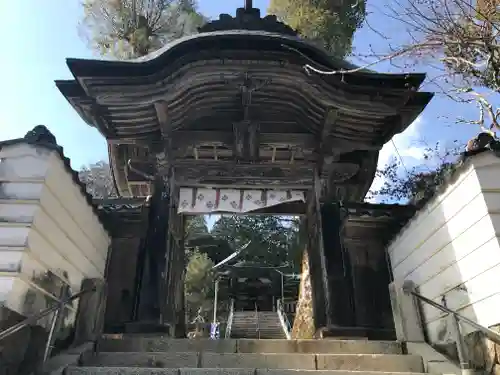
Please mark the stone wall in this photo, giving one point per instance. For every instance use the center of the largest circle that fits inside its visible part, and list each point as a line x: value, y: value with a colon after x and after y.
x: 450, y: 250
x: 482, y: 352
x: 50, y: 236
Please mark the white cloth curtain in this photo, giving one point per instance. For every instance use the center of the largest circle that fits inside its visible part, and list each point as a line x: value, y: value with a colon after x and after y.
x: 204, y: 201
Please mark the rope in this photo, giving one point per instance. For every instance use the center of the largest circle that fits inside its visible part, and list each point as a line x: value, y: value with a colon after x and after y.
x: 400, y: 158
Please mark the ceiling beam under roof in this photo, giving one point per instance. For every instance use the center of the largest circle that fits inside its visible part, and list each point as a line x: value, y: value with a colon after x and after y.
x: 186, y: 138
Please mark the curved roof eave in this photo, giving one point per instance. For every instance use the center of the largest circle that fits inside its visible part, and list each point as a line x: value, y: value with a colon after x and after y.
x: 72, y: 89
x: 151, y: 63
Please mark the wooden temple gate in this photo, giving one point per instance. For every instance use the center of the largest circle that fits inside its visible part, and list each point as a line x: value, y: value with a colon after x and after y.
x: 233, y: 108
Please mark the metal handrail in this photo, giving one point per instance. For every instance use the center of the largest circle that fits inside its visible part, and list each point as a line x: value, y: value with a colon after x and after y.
x: 465, y: 363
x: 492, y: 335
x: 257, y: 321
x: 285, y: 323
x: 229, y: 324
x: 57, y: 308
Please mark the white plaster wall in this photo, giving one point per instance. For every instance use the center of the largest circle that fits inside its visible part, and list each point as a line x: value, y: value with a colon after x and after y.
x: 46, y: 226
x: 451, y: 248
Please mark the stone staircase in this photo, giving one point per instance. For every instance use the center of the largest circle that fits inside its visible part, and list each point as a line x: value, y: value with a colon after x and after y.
x: 140, y: 355
x: 257, y: 325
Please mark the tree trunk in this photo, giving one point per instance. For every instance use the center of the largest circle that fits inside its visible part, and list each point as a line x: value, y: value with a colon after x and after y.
x: 303, y: 324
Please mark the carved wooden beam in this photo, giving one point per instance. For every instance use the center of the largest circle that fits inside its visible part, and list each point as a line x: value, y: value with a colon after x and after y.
x: 196, y: 173
x: 325, y: 149
x: 246, y: 144
x: 240, y: 140
x: 186, y: 138
x: 164, y: 154
x: 162, y: 114
x: 340, y: 172
x: 225, y: 171
x: 254, y: 141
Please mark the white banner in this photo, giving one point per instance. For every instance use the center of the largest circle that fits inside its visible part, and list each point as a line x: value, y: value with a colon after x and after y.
x: 204, y: 201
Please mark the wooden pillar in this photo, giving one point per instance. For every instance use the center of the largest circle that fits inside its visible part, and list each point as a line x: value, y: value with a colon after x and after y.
x: 338, y: 265
x: 370, y: 276
x: 317, y: 262
x: 173, y: 277
x: 362, y: 276
x: 155, y: 248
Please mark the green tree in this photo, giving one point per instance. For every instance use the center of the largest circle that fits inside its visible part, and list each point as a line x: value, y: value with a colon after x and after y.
x: 134, y: 28
x: 195, y: 226
x: 418, y: 184
x: 273, y: 239
x: 329, y: 23
x: 199, y: 286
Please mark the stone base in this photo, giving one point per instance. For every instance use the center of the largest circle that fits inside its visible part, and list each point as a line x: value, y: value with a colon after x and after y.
x: 146, y: 327
x: 360, y: 333
x: 21, y: 352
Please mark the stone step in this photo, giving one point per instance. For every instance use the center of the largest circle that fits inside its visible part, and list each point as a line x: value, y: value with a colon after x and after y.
x: 262, y: 329
x: 242, y: 333
x: 260, y: 337
x: 269, y: 321
x: 214, y: 371
x: 350, y: 362
x: 253, y: 328
x: 133, y: 343
x: 276, y: 335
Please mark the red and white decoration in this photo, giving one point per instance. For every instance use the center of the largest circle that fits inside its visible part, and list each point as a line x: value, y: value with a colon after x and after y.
x: 202, y: 200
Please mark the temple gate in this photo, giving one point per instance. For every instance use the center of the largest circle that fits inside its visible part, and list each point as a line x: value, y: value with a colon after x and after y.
x: 233, y: 110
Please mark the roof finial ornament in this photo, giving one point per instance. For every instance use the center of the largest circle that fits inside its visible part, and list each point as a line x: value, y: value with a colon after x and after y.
x: 248, y: 18
x: 40, y: 134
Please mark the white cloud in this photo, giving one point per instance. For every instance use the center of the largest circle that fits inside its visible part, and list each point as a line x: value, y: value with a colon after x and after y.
x: 410, y: 150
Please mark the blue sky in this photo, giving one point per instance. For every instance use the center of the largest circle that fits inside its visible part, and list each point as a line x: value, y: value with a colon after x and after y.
x: 34, y: 53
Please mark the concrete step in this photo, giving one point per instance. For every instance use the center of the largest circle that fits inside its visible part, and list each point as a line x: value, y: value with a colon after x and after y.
x: 213, y: 371
x: 133, y: 343
x: 350, y: 362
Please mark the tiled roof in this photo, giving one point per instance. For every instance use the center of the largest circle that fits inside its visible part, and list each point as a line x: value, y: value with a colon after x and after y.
x: 40, y: 136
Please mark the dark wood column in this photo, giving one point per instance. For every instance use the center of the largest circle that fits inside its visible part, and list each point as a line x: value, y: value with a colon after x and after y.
x: 246, y: 145
x: 127, y: 221
x: 365, y: 233
x: 173, y: 276
x: 363, y: 276
x: 155, y: 249
x: 370, y: 275
x: 338, y: 265
x: 317, y: 261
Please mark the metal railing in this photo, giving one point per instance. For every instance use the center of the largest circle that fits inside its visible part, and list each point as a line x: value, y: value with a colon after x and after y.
x: 285, y: 323
x: 57, y: 309
x: 456, y: 318
x: 229, y: 324
x: 257, y: 325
